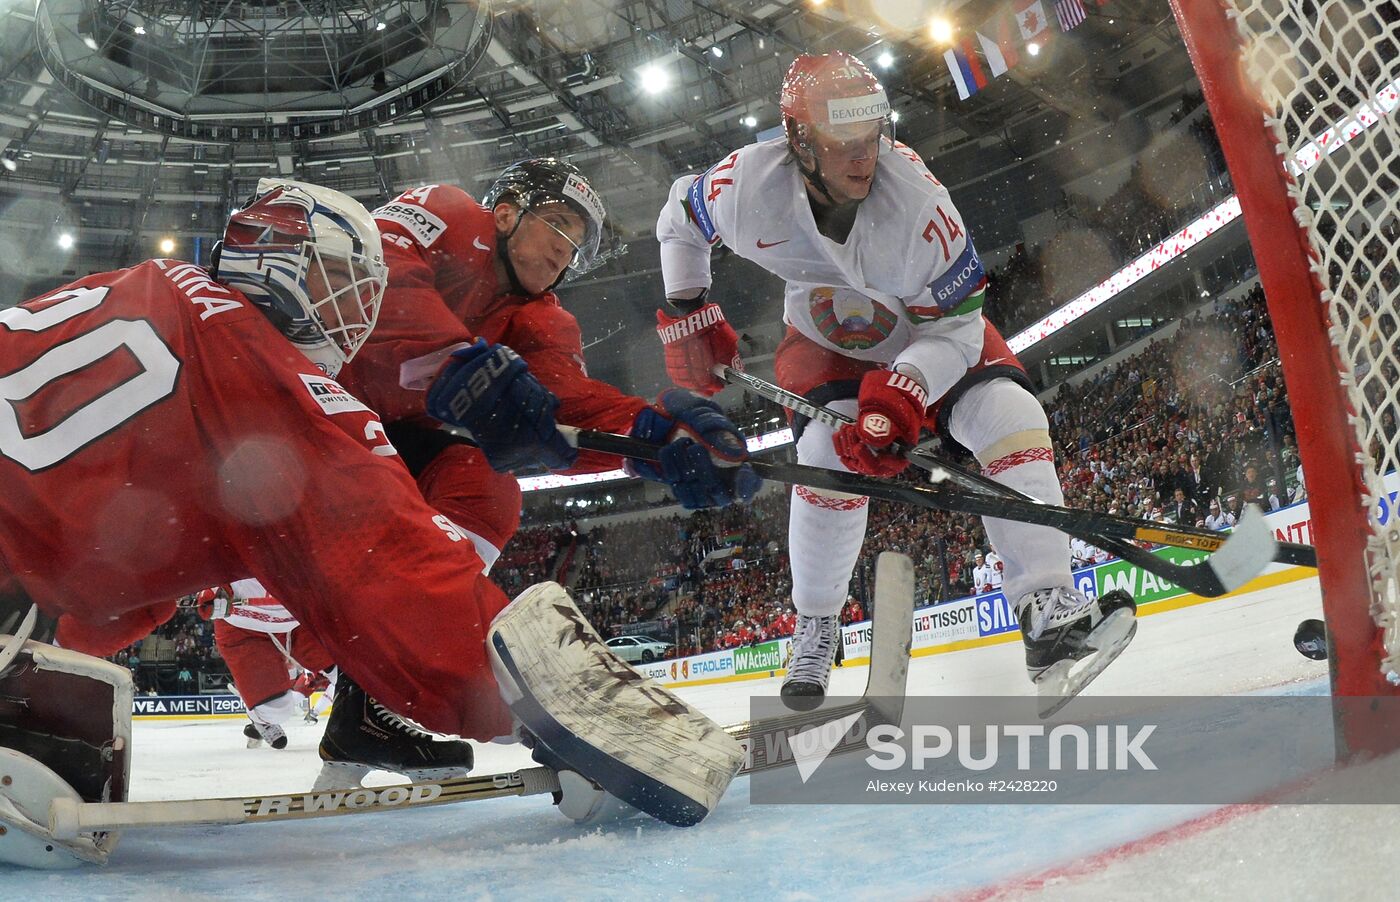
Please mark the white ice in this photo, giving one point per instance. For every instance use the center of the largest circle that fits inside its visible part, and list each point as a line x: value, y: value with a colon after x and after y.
x: 521, y: 848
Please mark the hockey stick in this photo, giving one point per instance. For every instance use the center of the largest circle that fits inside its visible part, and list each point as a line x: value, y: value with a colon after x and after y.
x: 1234, y: 559
x: 68, y: 818
x: 768, y: 742
x: 764, y: 741
x: 939, y: 468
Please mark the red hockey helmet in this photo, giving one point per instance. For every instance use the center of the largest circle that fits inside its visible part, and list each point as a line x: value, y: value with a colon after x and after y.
x: 830, y: 89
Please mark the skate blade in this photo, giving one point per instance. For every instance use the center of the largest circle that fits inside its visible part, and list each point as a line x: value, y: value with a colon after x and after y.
x: 351, y: 775
x: 1059, y: 683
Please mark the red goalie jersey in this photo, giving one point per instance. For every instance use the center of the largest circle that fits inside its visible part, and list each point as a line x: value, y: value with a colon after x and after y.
x: 158, y: 435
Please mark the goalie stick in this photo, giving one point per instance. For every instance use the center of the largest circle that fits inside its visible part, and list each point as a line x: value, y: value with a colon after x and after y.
x: 1293, y: 553
x: 768, y: 742
x: 1233, y: 559
x: 764, y: 742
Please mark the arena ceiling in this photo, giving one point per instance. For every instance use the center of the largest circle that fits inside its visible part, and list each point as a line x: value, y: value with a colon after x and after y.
x: 319, y: 90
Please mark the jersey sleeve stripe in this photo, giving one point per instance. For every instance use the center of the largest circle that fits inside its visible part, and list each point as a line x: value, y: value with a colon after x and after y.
x: 696, y: 210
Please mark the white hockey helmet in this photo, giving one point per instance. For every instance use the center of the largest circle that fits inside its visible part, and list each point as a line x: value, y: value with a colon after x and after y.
x: 312, y: 260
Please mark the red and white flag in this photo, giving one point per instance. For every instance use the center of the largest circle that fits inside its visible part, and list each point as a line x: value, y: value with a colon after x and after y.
x: 1030, y: 16
x: 1002, y: 29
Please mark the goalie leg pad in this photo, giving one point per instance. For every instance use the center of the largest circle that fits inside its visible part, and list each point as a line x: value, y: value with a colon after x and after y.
x: 609, y: 723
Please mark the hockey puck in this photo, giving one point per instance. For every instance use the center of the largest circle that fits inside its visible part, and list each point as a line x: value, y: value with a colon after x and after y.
x: 1311, y: 640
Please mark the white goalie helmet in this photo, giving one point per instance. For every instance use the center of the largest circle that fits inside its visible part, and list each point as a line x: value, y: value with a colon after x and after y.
x: 312, y: 260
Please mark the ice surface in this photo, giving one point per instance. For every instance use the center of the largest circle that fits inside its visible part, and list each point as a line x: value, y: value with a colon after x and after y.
x: 521, y: 848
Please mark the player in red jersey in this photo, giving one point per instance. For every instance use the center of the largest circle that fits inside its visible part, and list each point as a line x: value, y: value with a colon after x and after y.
x: 166, y: 428
x: 460, y: 269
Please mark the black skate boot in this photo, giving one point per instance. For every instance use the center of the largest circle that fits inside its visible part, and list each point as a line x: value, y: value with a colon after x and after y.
x: 362, y: 735
x: 814, y: 645
x: 1063, y: 627
x: 257, y: 733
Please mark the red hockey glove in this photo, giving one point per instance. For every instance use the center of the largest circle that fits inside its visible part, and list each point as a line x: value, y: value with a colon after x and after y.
x: 695, y: 344
x: 891, y: 409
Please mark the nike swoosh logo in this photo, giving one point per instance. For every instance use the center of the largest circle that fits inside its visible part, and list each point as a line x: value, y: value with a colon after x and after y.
x: 810, y: 747
x: 762, y: 244
x: 477, y: 243
x: 997, y: 360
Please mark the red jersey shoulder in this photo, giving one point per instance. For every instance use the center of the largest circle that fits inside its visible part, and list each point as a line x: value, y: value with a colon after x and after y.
x: 437, y: 218
x: 164, y: 292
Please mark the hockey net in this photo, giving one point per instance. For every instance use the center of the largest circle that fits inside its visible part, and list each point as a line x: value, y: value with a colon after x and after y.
x: 1304, y: 97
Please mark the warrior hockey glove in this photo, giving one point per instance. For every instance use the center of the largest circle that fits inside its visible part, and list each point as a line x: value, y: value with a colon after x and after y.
x: 488, y: 390
x: 890, y: 409
x: 695, y: 344
x: 703, y: 457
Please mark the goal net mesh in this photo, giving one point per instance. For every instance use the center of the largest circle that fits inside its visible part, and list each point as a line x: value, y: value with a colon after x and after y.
x: 1326, y: 73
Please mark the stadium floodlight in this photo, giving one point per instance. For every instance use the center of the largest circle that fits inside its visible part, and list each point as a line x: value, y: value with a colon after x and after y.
x: 65, y: 240
x: 653, y: 78
x: 1033, y: 48
x: 885, y: 60
x: 941, y: 30
x: 167, y: 245
x: 749, y: 121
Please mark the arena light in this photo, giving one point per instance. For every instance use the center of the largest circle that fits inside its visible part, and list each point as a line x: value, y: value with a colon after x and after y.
x: 139, y: 29
x: 9, y: 163
x: 941, y: 30
x: 894, y: 115
x: 717, y: 52
x: 167, y: 245
x: 653, y: 79
x: 885, y: 59
x: 749, y: 121
x: 1033, y: 48
x: 65, y: 240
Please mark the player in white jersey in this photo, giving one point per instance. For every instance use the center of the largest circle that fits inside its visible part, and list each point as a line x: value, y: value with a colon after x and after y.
x: 264, y: 646
x: 883, y: 306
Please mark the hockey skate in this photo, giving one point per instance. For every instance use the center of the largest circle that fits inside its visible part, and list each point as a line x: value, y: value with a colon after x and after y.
x: 1071, y: 638
x: 362, y: 735
x: 272, y: 733
x: 809, y: 669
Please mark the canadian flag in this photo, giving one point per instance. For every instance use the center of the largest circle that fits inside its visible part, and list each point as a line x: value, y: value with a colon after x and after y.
x: 1030, y: 16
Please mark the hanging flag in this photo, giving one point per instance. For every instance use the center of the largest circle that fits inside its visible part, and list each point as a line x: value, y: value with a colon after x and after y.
x: 966, y: 69
x: 1003, y: 28
x: 996, y: 61
x: 1030, y: 16
x: 1070, y: 13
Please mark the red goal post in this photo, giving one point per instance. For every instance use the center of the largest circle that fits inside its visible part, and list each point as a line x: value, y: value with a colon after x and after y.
x: 1305, y: 105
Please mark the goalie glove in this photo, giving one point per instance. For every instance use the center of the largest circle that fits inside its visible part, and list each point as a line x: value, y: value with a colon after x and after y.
x: 695, y: 343
x: 702, y: 454
x: 890, y: 408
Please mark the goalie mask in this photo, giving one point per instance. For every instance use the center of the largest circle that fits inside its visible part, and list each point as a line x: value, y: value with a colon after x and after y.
x: 532, y: 183
x: 311, y: 259
x: 832, y: 98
